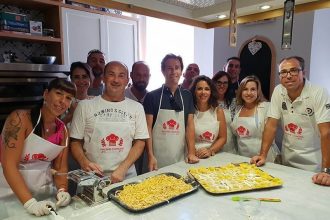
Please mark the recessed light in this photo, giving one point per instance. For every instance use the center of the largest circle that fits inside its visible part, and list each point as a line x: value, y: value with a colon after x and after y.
x: 265, y: 7
x: 221, y: 16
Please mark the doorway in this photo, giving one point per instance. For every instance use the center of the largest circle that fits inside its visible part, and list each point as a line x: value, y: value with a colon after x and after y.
x: 258, y: 58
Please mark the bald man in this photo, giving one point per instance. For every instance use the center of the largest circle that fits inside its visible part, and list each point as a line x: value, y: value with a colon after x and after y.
x: 108, y: 132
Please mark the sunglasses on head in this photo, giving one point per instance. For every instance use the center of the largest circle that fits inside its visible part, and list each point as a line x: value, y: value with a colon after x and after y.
x: 174, y: 104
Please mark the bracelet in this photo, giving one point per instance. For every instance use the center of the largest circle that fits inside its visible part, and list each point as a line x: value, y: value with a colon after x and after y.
x: 61, y: 190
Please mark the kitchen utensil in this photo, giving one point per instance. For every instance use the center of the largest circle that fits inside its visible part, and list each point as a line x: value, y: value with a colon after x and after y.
x: 43, y: 59
x: 55, y: 214
x: 238, y: 198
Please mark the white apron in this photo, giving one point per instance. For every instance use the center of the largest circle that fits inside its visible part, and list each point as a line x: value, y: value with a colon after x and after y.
x: 110, y: 144
x: 206, y: 128
x: 301, y: 144
x: 35, y: 164
x: 168, y: 135
x: 249, y: 136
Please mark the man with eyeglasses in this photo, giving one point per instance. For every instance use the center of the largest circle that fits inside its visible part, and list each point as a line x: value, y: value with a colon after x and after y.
x: 169, y: 113
x: 96, y: 60
x: 233, y: 68
x: 305, y: 113
x: 191, y: 72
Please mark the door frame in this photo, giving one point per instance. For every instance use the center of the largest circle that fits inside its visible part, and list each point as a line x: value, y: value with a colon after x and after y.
x: 270, y: 44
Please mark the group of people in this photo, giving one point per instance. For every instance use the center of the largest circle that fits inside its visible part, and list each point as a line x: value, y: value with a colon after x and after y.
x: 120, y: 131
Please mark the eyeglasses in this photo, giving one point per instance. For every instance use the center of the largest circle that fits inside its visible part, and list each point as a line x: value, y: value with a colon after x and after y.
x: 292, y: 71
x: 174, y: 104
x: 219, y: 83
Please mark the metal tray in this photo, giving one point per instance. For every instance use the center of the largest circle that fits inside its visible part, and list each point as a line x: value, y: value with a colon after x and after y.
x: 188, y: 180
x: 238, y: 190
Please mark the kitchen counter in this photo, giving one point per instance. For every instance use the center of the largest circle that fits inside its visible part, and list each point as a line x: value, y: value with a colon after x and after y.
x: 301, y: 199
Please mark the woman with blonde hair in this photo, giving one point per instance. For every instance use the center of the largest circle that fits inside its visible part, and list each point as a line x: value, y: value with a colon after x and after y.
x: 249, y: 121
x: 209, y: 119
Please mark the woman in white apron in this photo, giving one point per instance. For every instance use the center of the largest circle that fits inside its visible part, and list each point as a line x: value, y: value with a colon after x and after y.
x: 33, y: 142
x: 209, y: 120
x: 249, y: 121
x: 226, y: 101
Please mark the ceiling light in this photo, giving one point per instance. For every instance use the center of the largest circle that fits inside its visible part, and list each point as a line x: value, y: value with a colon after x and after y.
x: 265, y: 7
x: 221, y: 16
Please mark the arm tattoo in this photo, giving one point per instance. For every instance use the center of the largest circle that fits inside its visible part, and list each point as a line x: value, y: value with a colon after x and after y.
x: 11, y: 131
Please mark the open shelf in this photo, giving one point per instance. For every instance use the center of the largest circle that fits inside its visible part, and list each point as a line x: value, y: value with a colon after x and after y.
x: 28, y: 37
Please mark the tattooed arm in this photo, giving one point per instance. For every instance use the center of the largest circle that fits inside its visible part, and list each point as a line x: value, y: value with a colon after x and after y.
x: 17, y: 126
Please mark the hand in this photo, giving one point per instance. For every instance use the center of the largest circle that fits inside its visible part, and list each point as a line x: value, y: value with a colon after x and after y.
x: 203, y: 152
x: 90, y: 166
x: 63, y: 198
x: 118, y: 175
x: 322, y: 179
x: 38, y: 208
x: 258, y: 160
x: 191, y: 158
x: 152, y: 163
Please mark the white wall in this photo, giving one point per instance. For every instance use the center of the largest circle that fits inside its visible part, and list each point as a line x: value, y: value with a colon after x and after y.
x: 203, y: 50
x: 320, y: 49
x: 301, y: 42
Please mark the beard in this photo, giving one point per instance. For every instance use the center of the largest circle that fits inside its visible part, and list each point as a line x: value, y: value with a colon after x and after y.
x: 140, y: 86
x: 97, y: 72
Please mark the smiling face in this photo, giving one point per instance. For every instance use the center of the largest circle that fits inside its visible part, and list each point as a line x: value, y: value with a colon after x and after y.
x: 250, y: 93
x: 172, y: 71
x: 57, y: 101
x: 81, y: 79
x: 97, y: 62
x: 115, y: 80
x: 222, y: 85
x: 233, y: 67
x: 202, y: 92
x: 292, y: 83
x: 191, y: 71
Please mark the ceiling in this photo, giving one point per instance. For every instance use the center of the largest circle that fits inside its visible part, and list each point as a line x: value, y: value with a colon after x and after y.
x: 207, y: 10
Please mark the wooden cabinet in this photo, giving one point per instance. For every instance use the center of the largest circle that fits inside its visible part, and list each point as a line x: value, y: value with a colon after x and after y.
x: 51, y: 11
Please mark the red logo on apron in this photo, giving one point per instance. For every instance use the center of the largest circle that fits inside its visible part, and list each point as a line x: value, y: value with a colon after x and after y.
x: 39, y: 156
x: 113, y: 142
x: 171, y: 125
x: 242, y: 131
x: 293, y: 128
x: 206, y: 136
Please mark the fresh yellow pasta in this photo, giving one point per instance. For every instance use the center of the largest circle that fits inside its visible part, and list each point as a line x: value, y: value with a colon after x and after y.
x: 152, y: 191
x: 233, y: 178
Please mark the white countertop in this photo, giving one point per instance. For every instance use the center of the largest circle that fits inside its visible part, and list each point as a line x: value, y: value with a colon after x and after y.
x: 301, y: 199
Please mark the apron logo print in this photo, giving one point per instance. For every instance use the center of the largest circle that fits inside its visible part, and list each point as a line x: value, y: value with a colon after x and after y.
x: 207, y: 136
x: 171, y: 125
x: 242, y: 131
x: 27, y: 157
x: 327, y: 106
x: 293, y: 128
x: 309, y: 111
x: 39, y: 156
x: 284, y: 107
x: 112, y: 140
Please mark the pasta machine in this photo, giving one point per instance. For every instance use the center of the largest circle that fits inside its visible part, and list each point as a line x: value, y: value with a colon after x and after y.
x: 89, y: 186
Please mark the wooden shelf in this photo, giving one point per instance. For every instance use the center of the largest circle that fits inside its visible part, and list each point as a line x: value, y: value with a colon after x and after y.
x: 28, y: 37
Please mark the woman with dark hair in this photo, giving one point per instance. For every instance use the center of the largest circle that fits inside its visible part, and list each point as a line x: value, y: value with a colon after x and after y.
x: 226, y: 101
x: 81, y: 75
x: 210, y: 123
x: 34, y: 142
x: 249, y: 121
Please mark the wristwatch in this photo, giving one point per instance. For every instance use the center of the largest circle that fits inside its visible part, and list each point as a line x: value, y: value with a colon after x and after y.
x: 326, y: 170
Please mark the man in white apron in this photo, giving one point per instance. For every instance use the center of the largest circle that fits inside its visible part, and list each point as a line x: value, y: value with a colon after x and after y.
x: 305, y: 113
x: 169, y: 112
x: 108, y: 132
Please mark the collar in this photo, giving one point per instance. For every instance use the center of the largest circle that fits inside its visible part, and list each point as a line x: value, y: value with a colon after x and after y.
x: 305, y: 94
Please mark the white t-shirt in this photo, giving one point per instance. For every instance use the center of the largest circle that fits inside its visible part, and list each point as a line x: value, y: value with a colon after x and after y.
x: 84, y: 117
x: 313, y: 101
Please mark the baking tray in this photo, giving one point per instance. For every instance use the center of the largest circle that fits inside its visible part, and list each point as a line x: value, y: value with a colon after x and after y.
x: 188, y: 180
x: 276, y: 184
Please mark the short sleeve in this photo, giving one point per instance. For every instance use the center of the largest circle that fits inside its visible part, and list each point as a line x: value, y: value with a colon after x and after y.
x: 322, y: 106
x: 78, y: 122
x: 274, y: 110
